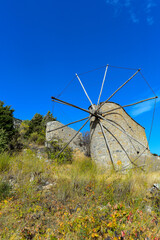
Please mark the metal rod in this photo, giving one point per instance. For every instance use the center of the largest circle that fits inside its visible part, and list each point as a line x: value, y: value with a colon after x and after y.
x: 118, y: 89
x: 124, y: 169
x: 102, y: 84
x: 123, y: 130
x: 131, y: 104
x: 120, y: 116
x: 120, y: 145
x: 69, y: 104
x: 73, y: 137
x: 85, y: 90
x: 106, y: 142
x: 109, y: 121
x: 67, y: 124
x: 135, y: 159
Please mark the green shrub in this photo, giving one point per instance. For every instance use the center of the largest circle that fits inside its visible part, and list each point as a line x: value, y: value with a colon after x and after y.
x: 33, y: 137
x: 54, y: 150
x: 3, y: 140
x: 7, y: 130
x: 5, y: 189
x: 40, y: 140
x: 6, y: 120
x: 34, y: 130
x: 4, y: 162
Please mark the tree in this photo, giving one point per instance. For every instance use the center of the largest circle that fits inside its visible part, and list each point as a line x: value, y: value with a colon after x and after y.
x: 3, y: 140
x: 7, y: 130
x: 48, y: 118
x: 35, y: 125
x: 7, y: 120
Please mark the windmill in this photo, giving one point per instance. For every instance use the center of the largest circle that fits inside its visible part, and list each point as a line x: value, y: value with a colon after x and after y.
x: 114, y: 135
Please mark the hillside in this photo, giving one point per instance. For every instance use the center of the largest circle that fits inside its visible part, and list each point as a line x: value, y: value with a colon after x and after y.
x: 43, y: 196
x: 41, y: 199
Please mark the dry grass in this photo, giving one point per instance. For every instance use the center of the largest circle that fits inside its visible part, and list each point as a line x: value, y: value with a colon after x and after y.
x: 75, y: 201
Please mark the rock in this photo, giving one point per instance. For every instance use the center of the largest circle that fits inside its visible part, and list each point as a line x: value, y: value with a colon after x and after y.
x: 65, y: 134
x: 48, y: 187
x: 155, y: 189
x: 149, y: 209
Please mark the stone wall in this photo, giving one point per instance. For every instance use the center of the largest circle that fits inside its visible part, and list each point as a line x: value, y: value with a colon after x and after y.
x: 117, y: 140
x: 65, y: 134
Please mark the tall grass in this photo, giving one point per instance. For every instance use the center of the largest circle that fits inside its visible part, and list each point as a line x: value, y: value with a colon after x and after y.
x: 4, y: 162
x: 74, y: 201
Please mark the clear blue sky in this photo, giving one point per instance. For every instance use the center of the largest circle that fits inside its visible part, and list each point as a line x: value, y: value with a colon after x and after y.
x: 44, y: 43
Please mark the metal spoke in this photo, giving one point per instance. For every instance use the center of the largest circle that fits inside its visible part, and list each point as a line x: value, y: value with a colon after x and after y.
x: 120, y: 116
x: 69, y: 104
x: 85, y: 91
x: 106, y: 142
x: 73, y: 137
x: 132, y: 104
x: 124, y: 131
x: 135, y: 159
x: 120, y: 146
x: 118, y: 89
x: 102, y: 84
x: 67, y: 124
x: 109, y: 121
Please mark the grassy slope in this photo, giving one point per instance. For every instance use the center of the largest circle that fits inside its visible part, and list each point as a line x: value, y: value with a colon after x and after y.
x: 76, y: 201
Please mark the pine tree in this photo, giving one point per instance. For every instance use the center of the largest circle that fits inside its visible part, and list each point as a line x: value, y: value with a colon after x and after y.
x: 6, y: 123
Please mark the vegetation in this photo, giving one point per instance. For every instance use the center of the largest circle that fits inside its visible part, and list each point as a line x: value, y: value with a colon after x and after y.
x: 54, y: 150
x: 12, y: 138
x: 65, y: 197
x: 33, y: 131
x: 41, y: 199
x: 7, y: 130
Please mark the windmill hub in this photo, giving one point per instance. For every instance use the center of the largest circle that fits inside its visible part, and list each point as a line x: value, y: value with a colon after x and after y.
x: 95, y: 111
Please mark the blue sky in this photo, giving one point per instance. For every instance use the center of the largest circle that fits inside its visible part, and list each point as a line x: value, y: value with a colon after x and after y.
x: 44, y: 43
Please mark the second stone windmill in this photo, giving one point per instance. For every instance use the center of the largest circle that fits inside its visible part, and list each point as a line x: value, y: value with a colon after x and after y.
x: 114, y: 136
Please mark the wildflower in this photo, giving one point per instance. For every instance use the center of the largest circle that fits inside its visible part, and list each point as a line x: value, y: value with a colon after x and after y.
x: 119, y: 163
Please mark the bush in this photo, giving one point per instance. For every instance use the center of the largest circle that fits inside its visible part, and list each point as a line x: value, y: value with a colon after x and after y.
x: 33, y: 137
x: 5, y: 189
x: 4, y: 162
x: 54, y: 150
x: 7, y: 130
x: 34, y: 130
x: 40, y: 140
x: 3, y: 140
x: 6, y: 120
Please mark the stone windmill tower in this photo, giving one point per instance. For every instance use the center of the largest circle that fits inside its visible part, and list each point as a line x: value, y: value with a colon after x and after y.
x: 114, y: 135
